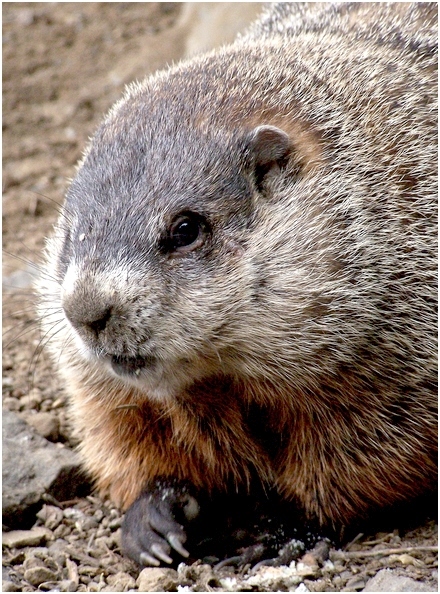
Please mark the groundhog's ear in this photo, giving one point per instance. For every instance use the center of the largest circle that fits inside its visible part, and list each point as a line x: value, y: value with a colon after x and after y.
x: 269, y: 150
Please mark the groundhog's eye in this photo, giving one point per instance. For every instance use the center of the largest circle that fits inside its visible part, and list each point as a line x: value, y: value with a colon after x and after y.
x: 187, y: 233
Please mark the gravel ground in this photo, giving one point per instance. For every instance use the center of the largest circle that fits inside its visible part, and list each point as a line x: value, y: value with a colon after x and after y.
x: 64, y: 64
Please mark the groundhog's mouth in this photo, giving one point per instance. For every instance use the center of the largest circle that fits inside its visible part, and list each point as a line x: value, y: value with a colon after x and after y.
x: 129, y: 366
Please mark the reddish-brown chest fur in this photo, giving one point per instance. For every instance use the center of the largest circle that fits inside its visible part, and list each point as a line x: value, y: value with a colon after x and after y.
x: 334, y: 459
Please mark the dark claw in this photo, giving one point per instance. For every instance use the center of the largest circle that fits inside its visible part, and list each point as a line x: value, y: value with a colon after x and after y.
x: 229, y: 562
x: 146, y: 559
x: 158, y: 551
x: 274, y: 562
x: 175, y: 542
x: 249, y: 556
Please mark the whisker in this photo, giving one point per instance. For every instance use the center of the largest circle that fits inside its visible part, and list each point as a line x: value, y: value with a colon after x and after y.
x: 43, y: 342
x: 59, y: 207
x: 41, y: 347
x: 36, y: 270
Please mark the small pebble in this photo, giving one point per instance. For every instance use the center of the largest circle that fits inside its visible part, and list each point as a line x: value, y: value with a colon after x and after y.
x: 25, y: 538
x: 31, y: 400
x: 121, y: 581
x: 38, y: 575
x: 406, y: 559
x: 99, y: 514
x: 57, y: 551
x: 31, y: 562
x: 88, y: 570
x: 51, y: 515
x: 11, y: 404
x: 156, y: 579
x: 67, y: 586
x: 86, y: 524
x: 309, y: 559
x: 354, y: 584
x: 8, y: 586
x: 308, y: 571
x: 71, y: 513
x: 62, y: 531
x: 85, y: 579
x: 104, y: 542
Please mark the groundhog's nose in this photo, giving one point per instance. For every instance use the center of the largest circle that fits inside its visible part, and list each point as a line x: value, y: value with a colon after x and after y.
x: 86, y: 317
x: 99, y: 324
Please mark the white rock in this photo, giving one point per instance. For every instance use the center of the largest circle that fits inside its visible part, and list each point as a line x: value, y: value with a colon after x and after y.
x: 387, y: 580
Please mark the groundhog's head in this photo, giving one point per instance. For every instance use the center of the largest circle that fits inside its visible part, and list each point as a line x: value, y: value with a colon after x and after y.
x: 171, y: 253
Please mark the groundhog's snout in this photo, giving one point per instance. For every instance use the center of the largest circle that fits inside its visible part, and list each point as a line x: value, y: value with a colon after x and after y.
x: 106, y: 328
x: 89, y: 315
x: 92, y: 305
x: 100, y: 326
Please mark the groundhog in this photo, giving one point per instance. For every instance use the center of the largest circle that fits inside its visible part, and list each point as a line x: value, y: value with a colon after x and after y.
x: 241, y: 288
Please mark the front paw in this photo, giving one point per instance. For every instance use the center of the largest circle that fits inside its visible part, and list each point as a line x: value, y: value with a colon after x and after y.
x: 152, y: 528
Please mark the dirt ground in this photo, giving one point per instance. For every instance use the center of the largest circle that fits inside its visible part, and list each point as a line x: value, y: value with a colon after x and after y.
x: 64, y: 64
